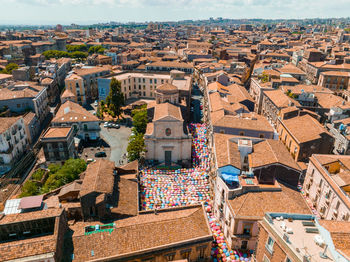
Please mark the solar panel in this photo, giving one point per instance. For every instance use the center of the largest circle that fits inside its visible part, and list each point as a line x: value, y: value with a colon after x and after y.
x: 11, y: 207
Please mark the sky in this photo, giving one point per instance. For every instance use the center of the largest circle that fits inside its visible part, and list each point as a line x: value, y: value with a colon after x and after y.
x: 36, y: 12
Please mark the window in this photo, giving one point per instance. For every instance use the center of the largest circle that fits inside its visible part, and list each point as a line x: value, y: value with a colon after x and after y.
x: 168, y: 132
x: 247, y: 229
x: 62, y: 155
x: 241, y: 133
x: 261, y: 136
x: 222, y: 131
x: 269, y: 245
x: 185, y: 254
x: 201, y: 251
x: 155, y: 81
x: 337, y: 206
x: 288, y: 259
x: 244, y: 244
x: 295, y: 150
x: 52, y: 155
x: 170, y: 256
x: 18, y: 105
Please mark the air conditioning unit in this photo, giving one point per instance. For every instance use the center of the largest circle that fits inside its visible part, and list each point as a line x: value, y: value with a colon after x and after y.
x: 319, y: 190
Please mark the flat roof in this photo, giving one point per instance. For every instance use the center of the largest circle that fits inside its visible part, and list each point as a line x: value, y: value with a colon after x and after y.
x: 300, y: 239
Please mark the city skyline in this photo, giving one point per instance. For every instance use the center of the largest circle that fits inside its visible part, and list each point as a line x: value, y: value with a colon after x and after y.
x: 34, y: 12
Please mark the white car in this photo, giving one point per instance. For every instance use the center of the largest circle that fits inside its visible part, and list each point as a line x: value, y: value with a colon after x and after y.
x: 96, y: 103
x: 105, y: 124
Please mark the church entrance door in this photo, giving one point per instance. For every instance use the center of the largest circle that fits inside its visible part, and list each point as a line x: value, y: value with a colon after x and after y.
x: 167, y: 158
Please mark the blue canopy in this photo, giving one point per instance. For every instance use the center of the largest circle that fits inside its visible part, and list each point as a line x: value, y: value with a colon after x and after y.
x: 230, y: 178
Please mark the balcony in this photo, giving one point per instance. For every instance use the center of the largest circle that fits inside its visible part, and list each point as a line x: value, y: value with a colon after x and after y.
x: 7, y: 151
x: 243, y: 236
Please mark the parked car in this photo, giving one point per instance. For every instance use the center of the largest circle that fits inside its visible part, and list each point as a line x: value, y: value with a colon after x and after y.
x: 100, y: 154
x: 96, y: 103
x: 105, y: 124
x: 110, y: 125
x: 90, y: 160
x: 116, y: 126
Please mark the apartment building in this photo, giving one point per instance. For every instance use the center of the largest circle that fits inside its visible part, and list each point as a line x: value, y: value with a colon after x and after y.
x: 304, y: 136
x: 85, y: 125
x: 143, y: 85
x: 248, y: 176
x: 301, y: 238
x: 256, y: 91
x: 83, y: 82
x: 134, y: 85
x: 327, y: 185
x: 35, y: 235
x: 23, y: 96
x: 334, y: 80
x: 167, y: 66
x: 58, y: 144
x: 314, y: 69
x: 13, y: 142
x: 340, y: 131
x: 273, y: 102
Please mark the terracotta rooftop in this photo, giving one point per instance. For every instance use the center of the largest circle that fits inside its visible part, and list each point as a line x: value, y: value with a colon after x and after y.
x: 7, y: 122
x: 256, y: 204
x: 167, y: 110
x: 304, y: 128
x: 73, y: 112
x: 280, y: 99
x: 57, y: 132
x: 142, y: 233
x: 99, y: 177
x: 127, y: 203
x: 254, y: 122
x: 226, y: 151
x: 166, y: 88
x: 271, y: 152
x: 340, y: 234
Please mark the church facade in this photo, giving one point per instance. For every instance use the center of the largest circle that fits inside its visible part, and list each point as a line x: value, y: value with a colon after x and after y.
x: 167, y: 137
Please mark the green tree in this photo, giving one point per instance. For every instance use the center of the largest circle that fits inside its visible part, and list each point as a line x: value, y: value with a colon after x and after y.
x: 55, y: 54
x: 96, y: 49
x: 136, y: 147
x: 78, y: 55
x: 264, y: 78
x: 38, y: 174
x: 139, y: 120
x: 115, y: 99
x: 30, y: 188
x: 73, y: 48
x: 9, y: 68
